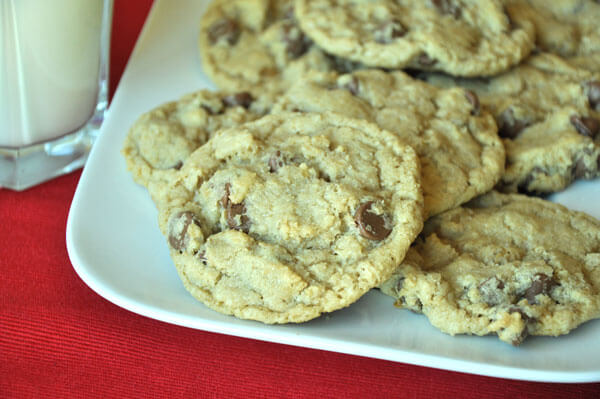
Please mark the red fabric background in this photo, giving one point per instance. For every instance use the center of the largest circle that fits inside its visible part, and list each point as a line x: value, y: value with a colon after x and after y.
x: 60, y: 339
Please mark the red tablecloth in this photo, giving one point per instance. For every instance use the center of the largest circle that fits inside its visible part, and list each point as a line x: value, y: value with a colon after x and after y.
x: 60, y: 339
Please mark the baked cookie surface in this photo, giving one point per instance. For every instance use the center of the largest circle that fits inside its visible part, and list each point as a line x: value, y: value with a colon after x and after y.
x: 161, y: 139
x: 548, y: 113
x: 256, y: 46
x: 460, y: 37
x: 568, y: 28
x: 460, y: 152
x: 290, y: 216
x: 503, y: 264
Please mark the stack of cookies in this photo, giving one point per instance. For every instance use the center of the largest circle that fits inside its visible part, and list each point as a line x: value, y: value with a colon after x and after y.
x: 394, y: 144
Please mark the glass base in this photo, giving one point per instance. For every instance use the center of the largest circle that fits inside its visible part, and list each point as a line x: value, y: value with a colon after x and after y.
x: 24, y: 167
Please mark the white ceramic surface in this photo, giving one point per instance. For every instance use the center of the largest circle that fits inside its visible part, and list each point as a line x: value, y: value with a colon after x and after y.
x: 115, y: 245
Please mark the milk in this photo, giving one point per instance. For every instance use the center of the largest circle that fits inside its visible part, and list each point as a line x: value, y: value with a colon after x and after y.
x: 49, y: 65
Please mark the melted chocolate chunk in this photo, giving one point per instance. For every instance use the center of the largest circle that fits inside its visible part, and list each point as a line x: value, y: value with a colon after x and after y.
x: 225, y: 198
x: 511, y: 23
x: 447, y: 7
x: 370, y: 225
x: 579, y: 169
x: 585, y: 125
x: 341, y: 65
x: 418, y: 306
x: 235, y: 214
x: 514, y: 309
x: 474, y: 101
x: 541, y: 284
x: 353, y: 86
x: 242, y: 99
x: 593, y: 89
x: 236, y: 218
x: 523, y: 186
x: 202, y: 256
x: 275, y: 162
x: 425, y: 60
x: 296, y: 43
x: 491, y: 291
x: 178, y: 227
x: 525, y: 332
x: 508, y: 126
x: 209, y: 110
x: 400, y: 284
x: 224, y: 29
x: 388, y: 31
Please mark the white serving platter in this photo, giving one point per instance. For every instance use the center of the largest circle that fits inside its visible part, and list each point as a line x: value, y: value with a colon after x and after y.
x: 116, y: 247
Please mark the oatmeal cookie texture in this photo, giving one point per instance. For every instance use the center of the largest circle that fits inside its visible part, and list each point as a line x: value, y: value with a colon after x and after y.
x: 548, y: 114
x: 460, y: 37
x: 160, y: 140
x: 503, y: 264
x: 456, y: 140
x: 257, y: 46
x: 568, y: 28
x: 292, y: 215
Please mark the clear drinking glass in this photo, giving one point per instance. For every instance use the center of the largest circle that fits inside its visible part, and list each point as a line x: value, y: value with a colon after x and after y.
x: 53, y: 86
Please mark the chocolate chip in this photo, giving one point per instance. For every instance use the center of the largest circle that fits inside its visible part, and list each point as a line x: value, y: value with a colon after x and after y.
x: 236, y: 218
x: 353, y: 86
x: 593, y: 89
x: 425, y: 60
x: 400, y: 284
x: 418, y: 306
x: 585, y: 125
x: 243, y: 99
x: 447, y: 7
x: 514, y: 309
x: 518, y: 340
x: 491, y: 291
x: 370, y: 225
x: 508, y: 126
x: 323, y: 176
x: 235, y: 213
x: 296, y: 42
x: 209, y: 110
x: 523, y: 186
x: 225, y: 198
x: 275, y: 162
x: 511, y: 23
x: 341, y: 65
x: 579, y: 169
x: 224, y: 29
x: 541, y: 284
x: 388, y: 31
x: 178, y: 227
x: 202, y: 256
x: 474, y: 101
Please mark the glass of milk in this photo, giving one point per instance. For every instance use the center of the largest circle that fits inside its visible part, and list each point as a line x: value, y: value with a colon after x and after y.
x: 53, y: 86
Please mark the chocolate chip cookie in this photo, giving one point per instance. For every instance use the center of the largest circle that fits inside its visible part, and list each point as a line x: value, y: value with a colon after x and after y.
x: 460, y: 152
x: 568, y: 28
x: 257, y: 46
x: 548, y: 113
x: 161, y: 139
x: 460, y: 37
x: 503, y: 264
x: 292, y: 215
